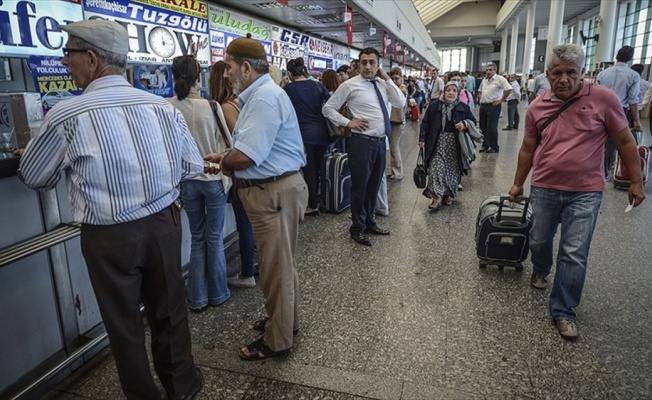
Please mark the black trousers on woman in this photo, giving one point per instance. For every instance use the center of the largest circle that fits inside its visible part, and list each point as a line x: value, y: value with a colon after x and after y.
x: 314, y: 155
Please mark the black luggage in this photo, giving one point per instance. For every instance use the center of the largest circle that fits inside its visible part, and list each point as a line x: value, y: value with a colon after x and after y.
x: 502, y: 232
x: 335, y: 178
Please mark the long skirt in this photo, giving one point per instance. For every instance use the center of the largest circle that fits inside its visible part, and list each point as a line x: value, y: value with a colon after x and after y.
x: 444, y: 171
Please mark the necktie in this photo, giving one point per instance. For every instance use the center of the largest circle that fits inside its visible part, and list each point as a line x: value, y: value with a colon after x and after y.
x: 388, y: 126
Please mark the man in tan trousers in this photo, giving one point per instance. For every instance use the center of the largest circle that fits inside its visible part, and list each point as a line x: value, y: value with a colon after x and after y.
x: 266, y: 158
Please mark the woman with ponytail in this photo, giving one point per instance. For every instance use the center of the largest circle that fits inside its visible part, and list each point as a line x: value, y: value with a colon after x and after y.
x: 307, y: 98
x: 204, y: 197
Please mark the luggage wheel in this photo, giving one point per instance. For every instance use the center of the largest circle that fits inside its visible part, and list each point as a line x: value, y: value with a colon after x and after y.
x: 519, y: 267
x: 481, y: 264
x: 501, y: 268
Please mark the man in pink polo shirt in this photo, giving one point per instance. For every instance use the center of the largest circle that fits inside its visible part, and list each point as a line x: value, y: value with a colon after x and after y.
x: 567, y: 176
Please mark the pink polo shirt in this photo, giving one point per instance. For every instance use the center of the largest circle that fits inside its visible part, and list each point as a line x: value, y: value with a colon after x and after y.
x: 570, y: 155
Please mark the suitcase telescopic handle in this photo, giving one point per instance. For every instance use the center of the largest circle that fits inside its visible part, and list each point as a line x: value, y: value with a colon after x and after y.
x: 525, y: 200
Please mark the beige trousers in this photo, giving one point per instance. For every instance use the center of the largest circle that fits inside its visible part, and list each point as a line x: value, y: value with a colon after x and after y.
x: 275, y: 210
x: 395, y: 161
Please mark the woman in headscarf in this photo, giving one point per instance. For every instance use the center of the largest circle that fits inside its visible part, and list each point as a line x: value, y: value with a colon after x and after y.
x: 445, y: 122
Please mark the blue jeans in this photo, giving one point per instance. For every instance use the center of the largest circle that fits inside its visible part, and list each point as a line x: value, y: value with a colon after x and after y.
x: 245, y: 239
x: 578, y: 213
x: 204, y: 202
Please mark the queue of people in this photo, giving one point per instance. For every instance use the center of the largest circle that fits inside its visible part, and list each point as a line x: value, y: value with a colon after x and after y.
x: 258, y: 147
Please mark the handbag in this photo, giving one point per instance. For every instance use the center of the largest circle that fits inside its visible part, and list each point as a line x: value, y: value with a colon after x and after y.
x: 333, y: 130
x: 232, y: 196
x: 419, y: 173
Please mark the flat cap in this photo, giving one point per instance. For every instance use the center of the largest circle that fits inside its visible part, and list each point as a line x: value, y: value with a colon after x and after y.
x: 107, y: 35
x: 247, y: 47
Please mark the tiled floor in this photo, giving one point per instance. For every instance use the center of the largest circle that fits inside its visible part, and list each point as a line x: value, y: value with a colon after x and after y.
x: 413, y: 317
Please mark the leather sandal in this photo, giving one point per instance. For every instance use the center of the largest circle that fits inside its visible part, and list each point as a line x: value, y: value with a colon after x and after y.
x: 259, y: 351
x: 260, y: 326
x: 447, y: 200
x: 435, y: 204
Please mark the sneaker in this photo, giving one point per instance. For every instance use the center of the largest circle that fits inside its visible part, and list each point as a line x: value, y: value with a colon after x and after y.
x: 567, y: 329
x: 237, y: 281
x: 538, y: 282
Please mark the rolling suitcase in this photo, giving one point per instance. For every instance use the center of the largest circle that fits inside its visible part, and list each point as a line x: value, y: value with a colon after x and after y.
x: 622, y: 177
x: 335, y: 182
x: 502, y: 232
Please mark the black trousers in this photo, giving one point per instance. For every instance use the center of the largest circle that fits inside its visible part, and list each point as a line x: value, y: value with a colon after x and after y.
x: 314, y: 158
x: 367, y: 163
x: 610, y: 148
x: 489, y: 117
x: 141, y: 261
x: 512, y: 113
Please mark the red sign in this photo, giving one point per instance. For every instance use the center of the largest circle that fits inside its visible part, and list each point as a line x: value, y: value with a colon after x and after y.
x: 349, y: 26
x: 384, y: 44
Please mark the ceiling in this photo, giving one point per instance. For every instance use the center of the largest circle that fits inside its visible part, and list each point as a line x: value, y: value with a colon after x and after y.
x: 452, y: 23
x: 473, y: 22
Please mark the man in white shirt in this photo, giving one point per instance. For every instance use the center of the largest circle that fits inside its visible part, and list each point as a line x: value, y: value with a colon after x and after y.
x: 512, y: 104
x: 368, y: 97
x: 540, y: 85
x: 493, y: 90
x: 436, y: 85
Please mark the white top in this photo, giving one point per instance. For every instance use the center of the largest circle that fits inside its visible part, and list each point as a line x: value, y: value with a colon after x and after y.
x: 516, y: 91
x: 203, y: 128
x: 362, y: 101
x: 530, y: 85
x: 492, y: 89
x: 436, y: 87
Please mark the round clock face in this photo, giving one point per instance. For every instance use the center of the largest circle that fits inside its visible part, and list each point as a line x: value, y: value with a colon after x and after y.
x: 161, y: 42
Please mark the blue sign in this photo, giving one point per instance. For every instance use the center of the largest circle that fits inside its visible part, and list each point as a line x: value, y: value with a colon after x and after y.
x: 52, y: 81
x: 156, y: 79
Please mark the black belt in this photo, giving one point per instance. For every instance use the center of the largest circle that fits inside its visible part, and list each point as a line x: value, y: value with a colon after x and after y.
x: 372, y: 138
x: 487, y: 104
x: 245, y: 183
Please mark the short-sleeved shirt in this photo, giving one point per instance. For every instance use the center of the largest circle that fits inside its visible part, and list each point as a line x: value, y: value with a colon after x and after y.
x: 570, y: 154
x: 307, y: 98
x: 267, y: 131
x: 492, y: 89
x: 624, y: 81
x: 541, y: 84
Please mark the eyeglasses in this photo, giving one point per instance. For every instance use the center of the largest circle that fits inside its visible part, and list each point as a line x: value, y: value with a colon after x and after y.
x: 67, y: 51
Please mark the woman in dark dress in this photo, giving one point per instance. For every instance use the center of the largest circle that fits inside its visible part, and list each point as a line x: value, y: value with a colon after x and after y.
x: 307, y: 98
x: 444, y: 121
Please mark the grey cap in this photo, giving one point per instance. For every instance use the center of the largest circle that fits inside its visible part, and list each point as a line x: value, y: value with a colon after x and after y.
x: 107, y: 35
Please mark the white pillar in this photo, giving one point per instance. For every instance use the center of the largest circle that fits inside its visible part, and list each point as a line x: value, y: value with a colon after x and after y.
x: 503, y: 53
x: 604, y: 49
x: 555, y: 23
x: 529, y: 33
x: 578, y: 27
x: 513, y: 46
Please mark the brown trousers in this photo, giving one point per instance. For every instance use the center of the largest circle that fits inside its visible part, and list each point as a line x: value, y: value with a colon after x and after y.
x: 275, y: 210
x: 141, y: 261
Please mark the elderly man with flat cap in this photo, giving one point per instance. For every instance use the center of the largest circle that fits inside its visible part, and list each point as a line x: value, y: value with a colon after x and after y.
x: 266, y: 158
x: 124, y: 152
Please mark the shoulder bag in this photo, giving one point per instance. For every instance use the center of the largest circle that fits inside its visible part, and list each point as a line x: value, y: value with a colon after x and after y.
x: 233, y: 191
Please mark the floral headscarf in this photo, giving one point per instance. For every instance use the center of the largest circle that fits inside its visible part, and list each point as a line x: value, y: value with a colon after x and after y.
x: 448, y: 107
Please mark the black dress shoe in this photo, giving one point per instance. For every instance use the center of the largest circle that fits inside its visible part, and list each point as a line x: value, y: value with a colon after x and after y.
x: 195, y: 388
x: 492, y: 150
x: 483, y: 150
x: 507, y: 128
x: 374, y: 230
x: 361, y: 239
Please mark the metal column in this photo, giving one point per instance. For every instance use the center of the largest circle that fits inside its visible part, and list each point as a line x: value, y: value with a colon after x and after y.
x: 604, y: 48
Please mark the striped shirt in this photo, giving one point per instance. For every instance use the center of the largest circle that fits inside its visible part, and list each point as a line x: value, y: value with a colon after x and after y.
x: 123, y: 150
